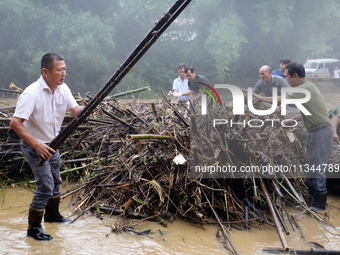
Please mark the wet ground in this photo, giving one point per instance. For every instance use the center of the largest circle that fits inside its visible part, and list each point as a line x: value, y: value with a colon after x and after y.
x: 91, y: 235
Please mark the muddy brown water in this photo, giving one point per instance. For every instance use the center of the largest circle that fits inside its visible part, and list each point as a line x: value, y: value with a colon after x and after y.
x: 90, y: 235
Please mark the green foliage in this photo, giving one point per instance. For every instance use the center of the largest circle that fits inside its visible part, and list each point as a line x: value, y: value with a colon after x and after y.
x: 225, y: 42
x: 88, y: 45
x: 319, y: 27
x: 273, y: 16
x: 30, y: 30
x: 220, y: 38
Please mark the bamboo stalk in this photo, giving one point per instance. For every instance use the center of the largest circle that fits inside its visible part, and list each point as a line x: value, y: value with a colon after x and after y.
x: 10, y: 91
x: 129, y: 92
x: 260, y: 215
x: 147, y: 136
x: 117, y: 109
x: 5, y: 119
x: 304, y: 206
x: 113, y: 210
x: 185, y: 122
x: 155, y: 112
x: 275, y: 217
x: 296, y: 251
x: 127, y: 204
x: 117, y: 119
x: 296, y: 194
x: 146, y: 203
x: 246, y: 217
x: 220, y: 223
x: 281, y: 219
x: 84, y: 166
x: 10, y: 145
x: 142, y: 120
x: 70, y: 161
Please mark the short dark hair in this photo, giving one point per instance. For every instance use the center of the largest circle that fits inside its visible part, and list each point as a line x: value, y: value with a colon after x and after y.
x: 285, y: 60
x: 296, y: 67
x: 181, y: 66
x: 192, y: 70
x: 47, y: 61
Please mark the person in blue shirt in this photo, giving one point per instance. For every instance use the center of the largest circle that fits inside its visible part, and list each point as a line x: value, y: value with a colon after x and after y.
x: 280, y: 72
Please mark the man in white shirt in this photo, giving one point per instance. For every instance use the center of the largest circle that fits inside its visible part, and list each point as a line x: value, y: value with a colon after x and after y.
x: 37, y: 120
x: 180, y: 85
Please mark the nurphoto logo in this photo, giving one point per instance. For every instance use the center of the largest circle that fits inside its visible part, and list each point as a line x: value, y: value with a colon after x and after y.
x: 237, y: 94
x: 239, y: 108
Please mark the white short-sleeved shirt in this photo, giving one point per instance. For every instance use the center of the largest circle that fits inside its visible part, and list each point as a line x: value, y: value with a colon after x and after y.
x: 43, y: 111
x: 181, y: 86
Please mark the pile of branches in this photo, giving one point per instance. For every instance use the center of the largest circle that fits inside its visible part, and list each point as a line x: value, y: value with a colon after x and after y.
x: 125, y: 155
x: 130, y: 165
x: 221, y: 138
x: 12, y: 163
x: 139, y: 165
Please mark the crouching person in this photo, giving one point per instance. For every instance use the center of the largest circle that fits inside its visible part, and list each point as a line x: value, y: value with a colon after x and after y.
x: 37, y: 120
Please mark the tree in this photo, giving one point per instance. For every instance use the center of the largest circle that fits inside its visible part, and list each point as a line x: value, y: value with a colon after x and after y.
x: 219, y: 38
x: 30, y: 30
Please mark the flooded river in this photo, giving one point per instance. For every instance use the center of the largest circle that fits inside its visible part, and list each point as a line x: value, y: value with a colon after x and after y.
x: 91, y: 235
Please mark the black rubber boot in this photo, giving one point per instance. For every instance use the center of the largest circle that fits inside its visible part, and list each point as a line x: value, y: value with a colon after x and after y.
x: 320, y: 199
x: 52, y: 211
x: 34, y: 225
x: 310, y: 190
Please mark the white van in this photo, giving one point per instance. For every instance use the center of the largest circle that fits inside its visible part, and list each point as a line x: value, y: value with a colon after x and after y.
x: 321, y: 68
